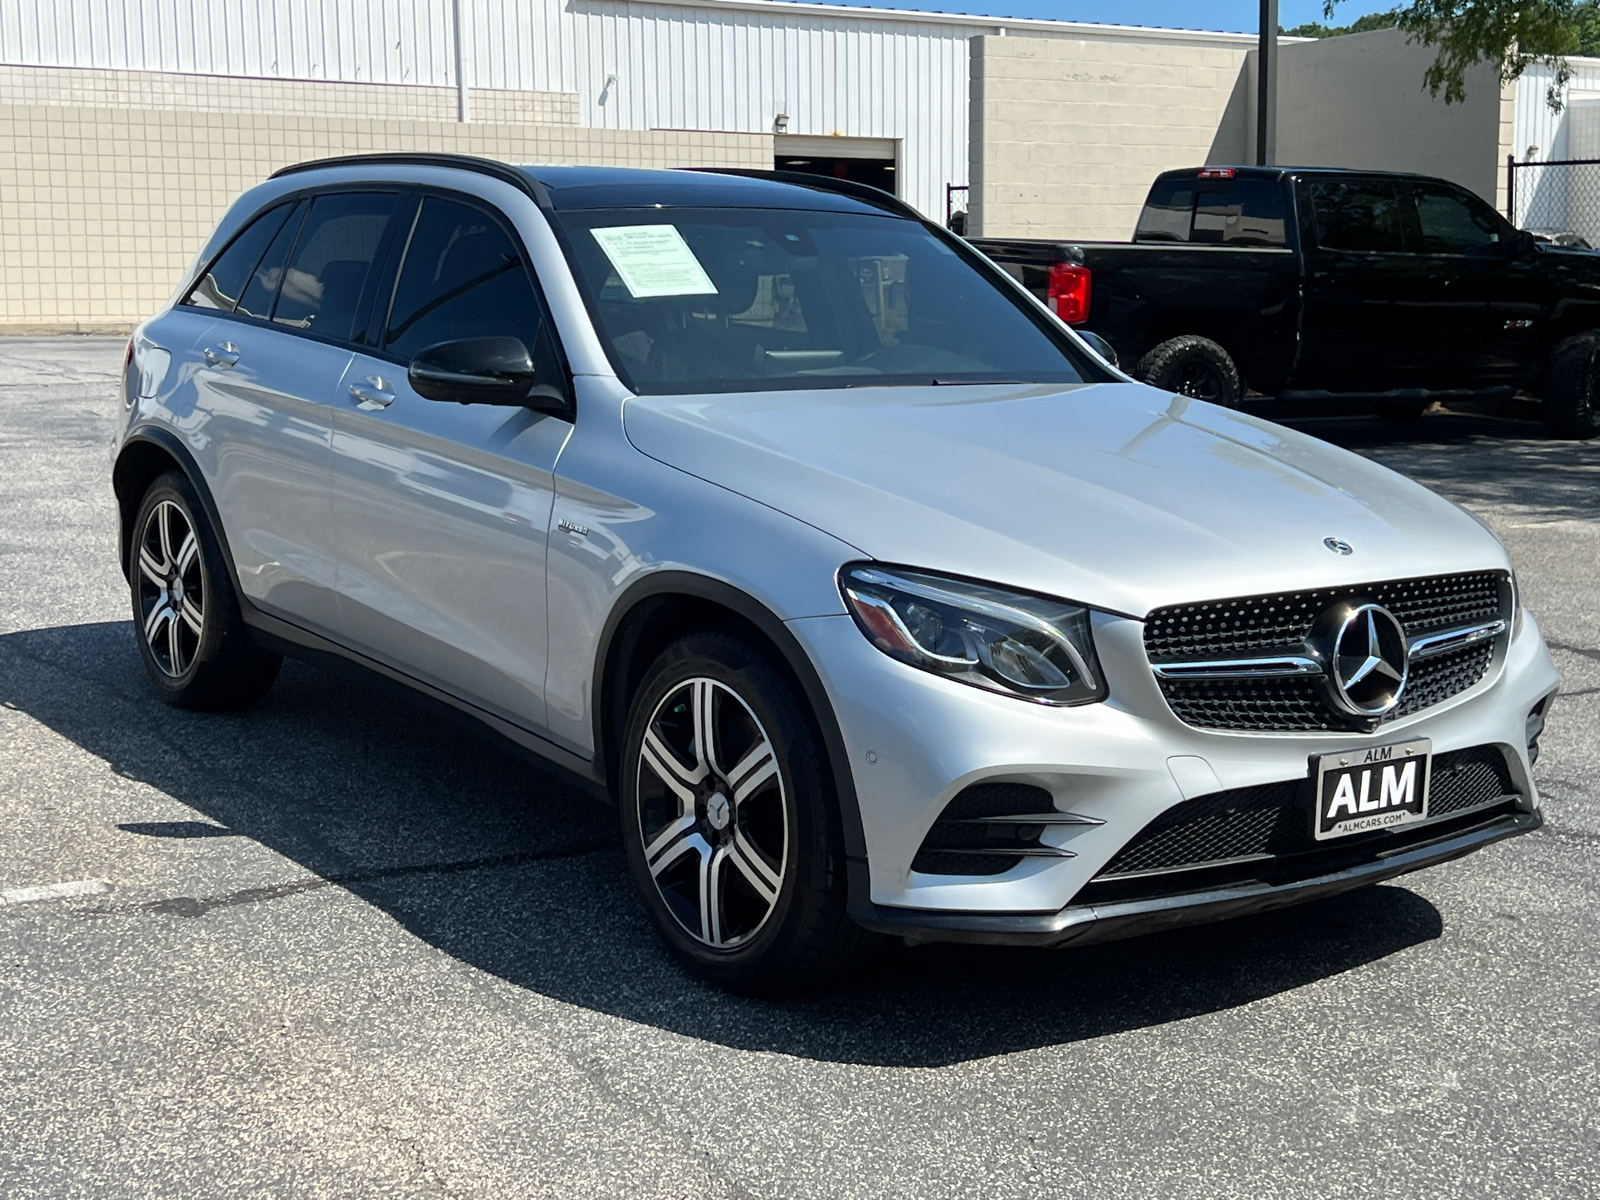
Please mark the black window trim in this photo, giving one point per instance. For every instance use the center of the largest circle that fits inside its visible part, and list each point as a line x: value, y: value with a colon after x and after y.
x: 382, y: 306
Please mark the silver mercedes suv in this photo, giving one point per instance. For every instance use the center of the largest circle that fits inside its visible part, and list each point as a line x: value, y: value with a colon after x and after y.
x: 876, y: 600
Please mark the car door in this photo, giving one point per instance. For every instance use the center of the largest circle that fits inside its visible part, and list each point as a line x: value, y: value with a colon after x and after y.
x: 265, y: 380
x: 1475, y: 297
x: 1353, y: 339
x: 441, y: 510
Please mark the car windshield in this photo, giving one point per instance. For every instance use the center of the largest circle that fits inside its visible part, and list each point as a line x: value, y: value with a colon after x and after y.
x: 718, y: 300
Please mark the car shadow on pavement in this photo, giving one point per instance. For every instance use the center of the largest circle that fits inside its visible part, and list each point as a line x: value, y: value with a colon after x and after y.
x: 519, y: 874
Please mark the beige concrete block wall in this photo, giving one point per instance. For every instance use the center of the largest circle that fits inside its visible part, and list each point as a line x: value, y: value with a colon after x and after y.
x: 102, y: 209
x: 83, y: 88
x: 1358, y: 101
x: 1066, y: 135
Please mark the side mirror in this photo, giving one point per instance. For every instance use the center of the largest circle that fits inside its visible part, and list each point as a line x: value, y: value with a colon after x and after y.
x: 489, y: 370
x: 1100, y: 346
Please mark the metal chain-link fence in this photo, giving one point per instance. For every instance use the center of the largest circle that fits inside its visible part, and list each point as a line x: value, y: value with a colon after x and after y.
x: 1556, y: 198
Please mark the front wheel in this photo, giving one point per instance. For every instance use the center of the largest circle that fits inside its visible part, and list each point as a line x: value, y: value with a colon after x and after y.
x: 730, y: 820
x: 1570, y: 408
x: 1192, y: 366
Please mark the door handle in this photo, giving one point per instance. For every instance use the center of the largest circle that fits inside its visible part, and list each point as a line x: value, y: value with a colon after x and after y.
x: 373, y: 394
x: 222, y: 356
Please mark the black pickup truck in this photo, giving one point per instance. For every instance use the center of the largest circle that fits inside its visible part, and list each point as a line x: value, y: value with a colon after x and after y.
x: 1382, y: 289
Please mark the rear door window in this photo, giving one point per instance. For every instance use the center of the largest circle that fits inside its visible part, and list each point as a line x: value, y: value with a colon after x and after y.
x: 224, y: 281
x: 262, y: 288
x: 462, y: 277
x: 1168, y: 211
x: 1356, y: 214
x: 1239, y: 212
x: 325, y: 280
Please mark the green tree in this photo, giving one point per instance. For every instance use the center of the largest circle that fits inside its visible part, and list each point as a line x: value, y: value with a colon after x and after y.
x: 1366, y: 24
x: 1513, y: 34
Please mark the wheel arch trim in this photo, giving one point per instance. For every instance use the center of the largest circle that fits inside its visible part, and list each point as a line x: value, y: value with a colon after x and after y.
x: 617, y: 635
x: 172, y: 446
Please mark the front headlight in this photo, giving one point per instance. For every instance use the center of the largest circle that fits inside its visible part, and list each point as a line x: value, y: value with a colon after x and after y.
x: 1005, y: 641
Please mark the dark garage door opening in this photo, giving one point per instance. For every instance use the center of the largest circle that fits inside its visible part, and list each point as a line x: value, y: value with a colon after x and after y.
x: 878, y: 172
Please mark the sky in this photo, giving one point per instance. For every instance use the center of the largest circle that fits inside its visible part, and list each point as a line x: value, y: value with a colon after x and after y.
x: 1229, y: 15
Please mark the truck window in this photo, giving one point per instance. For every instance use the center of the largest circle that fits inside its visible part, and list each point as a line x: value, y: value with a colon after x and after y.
x: 1356, y: 214
x: 1239, y: 212
x: 1452, y: 222
x: 1167, y: 212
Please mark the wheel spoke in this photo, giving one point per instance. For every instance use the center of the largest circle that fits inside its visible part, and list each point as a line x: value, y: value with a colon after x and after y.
x: 191, y: 615
x: 188, y: 551
x: 711, y: 896
x: 666, y: 767
x: 703, y: 695
x: 753, y: 770
x: 754, y: 868
x: 153, y: 623
x: 155, y: 572
x: 175, y: 645
x: 164, y: 530
x: 670, y: 844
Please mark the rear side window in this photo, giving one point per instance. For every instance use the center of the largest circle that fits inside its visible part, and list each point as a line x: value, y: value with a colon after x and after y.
x: 326, y: 277
x: 1356, y: 214
x: 462, y: 278
x: 1453, y: 223
x: 1239, y: 212
x: 1167, y: 212
x: 262, y: 287
x: 224, y: 281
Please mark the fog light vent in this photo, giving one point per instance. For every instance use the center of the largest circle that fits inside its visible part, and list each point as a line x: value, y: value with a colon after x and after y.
x: 990, y: 828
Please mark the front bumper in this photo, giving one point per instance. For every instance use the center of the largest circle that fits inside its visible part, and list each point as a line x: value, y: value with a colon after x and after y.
x: 1083, y: 924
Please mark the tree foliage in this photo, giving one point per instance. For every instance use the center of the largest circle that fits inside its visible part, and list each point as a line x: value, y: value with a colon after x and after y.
x: 1512, y: 34
x: 1311, y: 29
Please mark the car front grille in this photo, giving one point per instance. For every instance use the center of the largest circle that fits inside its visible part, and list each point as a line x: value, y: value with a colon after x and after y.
x: 1274, y: 819
x: 1283, y: 623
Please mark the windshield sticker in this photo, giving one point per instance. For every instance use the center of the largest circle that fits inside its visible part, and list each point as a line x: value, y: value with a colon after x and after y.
x: 654, y: 260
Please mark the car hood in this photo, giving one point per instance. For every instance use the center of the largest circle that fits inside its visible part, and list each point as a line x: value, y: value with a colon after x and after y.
x: 1117, y: 495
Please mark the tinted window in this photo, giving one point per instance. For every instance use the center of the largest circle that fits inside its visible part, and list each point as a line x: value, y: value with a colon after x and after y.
x: 324, y: 280
x: 1239, y: 212
x: 262, y: 289
x: 1454, y: 223
x: 462, y: 278
x: 1356, y: 215
x: 222, y: 283
x: 1167, y: 212
x: 762, y: 299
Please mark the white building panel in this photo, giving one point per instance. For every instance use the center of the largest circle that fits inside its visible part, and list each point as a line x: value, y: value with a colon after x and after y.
x: 730, y: 65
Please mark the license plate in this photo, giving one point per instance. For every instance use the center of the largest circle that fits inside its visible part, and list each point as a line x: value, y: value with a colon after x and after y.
x: 1375, y: 788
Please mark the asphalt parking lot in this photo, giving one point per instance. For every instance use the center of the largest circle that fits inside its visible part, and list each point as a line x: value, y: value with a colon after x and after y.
x: 332, y: 946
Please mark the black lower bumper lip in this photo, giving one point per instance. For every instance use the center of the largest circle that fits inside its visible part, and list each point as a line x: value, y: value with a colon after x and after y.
x: 1083, y: 924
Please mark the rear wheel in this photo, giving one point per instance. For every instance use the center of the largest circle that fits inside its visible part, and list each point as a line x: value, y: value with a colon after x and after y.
x: 1570, y: 408
x: 1192, y: 366
x: 192, y: 638
x: 730, y: 820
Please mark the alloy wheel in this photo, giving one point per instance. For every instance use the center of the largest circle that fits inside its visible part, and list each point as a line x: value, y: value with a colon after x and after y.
x: 171, y: 588
x: 713, y: 817
x: 1197, y: 380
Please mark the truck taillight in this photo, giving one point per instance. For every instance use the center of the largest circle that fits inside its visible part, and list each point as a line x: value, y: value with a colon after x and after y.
x: 1216, y: 173
x: 1068, y: 293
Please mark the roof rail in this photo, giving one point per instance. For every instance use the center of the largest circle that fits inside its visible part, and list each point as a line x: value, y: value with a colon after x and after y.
x: 520, y: 180
x: 865, y: 193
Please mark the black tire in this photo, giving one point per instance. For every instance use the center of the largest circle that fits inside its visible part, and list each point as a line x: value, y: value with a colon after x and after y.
x: 774, y: 857
x: 1192, y: 366
x: 197, y: 653
x: 1401, y: 410
x: 1570, y: 408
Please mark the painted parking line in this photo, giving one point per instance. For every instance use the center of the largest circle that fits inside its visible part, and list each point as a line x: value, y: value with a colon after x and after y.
x: 54, y: 891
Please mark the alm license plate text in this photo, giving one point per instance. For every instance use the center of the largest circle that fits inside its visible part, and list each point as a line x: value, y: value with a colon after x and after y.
x: 1373, y: 788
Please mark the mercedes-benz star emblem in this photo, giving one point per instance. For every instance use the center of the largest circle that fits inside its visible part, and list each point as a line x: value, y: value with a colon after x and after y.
x: 1338, y: 546
x: 1370, y: 661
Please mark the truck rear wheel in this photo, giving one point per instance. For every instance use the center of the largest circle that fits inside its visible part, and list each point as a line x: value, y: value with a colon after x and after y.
x: 1192, y: 366
x: 1570, y: 409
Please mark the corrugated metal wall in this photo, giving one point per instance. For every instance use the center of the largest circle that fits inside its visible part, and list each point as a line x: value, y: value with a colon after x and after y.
x: 674, y: 67
x: 1560, y: 197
